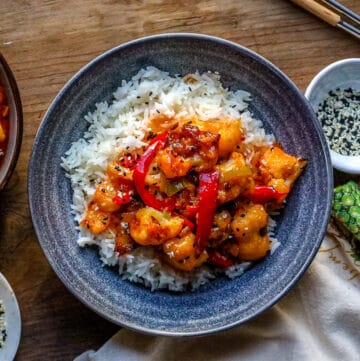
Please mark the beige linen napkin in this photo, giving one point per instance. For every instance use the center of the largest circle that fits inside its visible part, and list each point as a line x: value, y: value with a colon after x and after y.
x: 319, y: 319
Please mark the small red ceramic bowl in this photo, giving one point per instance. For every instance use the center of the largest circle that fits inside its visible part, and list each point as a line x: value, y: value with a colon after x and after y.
x: 7, y: 164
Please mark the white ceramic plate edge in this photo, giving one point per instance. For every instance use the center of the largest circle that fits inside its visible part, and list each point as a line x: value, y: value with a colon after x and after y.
x: 12, y: 319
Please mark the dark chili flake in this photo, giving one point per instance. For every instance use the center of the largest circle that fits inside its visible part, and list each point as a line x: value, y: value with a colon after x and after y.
x: 103, y: 190
x: 150, y: 135
x: 263, y: 232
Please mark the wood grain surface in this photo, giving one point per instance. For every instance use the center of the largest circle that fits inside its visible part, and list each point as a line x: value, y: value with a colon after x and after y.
x: 45, y: 43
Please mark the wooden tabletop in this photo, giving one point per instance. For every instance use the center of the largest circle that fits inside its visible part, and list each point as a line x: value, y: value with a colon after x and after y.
x: 45, y: 43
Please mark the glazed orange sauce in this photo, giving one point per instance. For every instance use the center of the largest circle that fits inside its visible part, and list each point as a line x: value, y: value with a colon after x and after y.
x: 193, y: 196
x: 4, y: 123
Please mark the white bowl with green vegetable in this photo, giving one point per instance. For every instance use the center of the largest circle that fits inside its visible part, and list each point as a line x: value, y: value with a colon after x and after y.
x: 334, y: 94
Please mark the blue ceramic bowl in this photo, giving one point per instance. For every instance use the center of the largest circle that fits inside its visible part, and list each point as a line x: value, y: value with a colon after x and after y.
x: 223, y: 303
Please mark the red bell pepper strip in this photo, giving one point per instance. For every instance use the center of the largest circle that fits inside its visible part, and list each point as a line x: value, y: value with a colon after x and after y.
x: 125, y: 192
x: 129, y: 160
x: 208, y: 189
x: 122, y: 198
x: 263, y: 194
x: 142, y: 168
x: 218, y: 259
x: 192, y: 210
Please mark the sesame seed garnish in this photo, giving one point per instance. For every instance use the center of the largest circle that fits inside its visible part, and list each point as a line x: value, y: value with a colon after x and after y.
x: 339, y: 115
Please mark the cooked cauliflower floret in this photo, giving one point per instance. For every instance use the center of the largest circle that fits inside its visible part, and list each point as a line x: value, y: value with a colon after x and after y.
x: 152, y: 227
x: 188, y: 148
x: 182, y: 254
x: 95, y: 219
x: 104, y: 195
x: 249, y: 229
x: 230, y: 132
x: 276, y: 164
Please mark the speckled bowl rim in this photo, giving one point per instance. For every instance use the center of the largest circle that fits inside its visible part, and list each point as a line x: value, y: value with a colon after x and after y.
x: 12, y: 317
x: 16, y: 126
x: 316, y: 242
x: 344, y: 163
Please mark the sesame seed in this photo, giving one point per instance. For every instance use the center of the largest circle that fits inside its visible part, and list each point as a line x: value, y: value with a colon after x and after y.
x: 339, y: 115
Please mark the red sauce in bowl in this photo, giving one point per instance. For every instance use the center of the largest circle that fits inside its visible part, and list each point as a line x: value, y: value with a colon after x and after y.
x: 4, y: 123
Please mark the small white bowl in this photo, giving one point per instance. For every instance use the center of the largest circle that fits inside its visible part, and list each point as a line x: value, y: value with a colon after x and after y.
x: 341, y: 74
x: 12, y: 319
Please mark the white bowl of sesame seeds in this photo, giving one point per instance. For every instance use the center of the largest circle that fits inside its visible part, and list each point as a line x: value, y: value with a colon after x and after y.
x: 334, y: 93
x: 10, y: 321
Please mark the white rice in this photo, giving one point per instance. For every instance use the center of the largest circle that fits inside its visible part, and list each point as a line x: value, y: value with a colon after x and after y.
x: 121, y: 124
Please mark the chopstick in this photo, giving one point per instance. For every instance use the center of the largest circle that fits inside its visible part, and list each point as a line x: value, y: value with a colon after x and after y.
x: 331, y: 17
x: 344, y: 10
